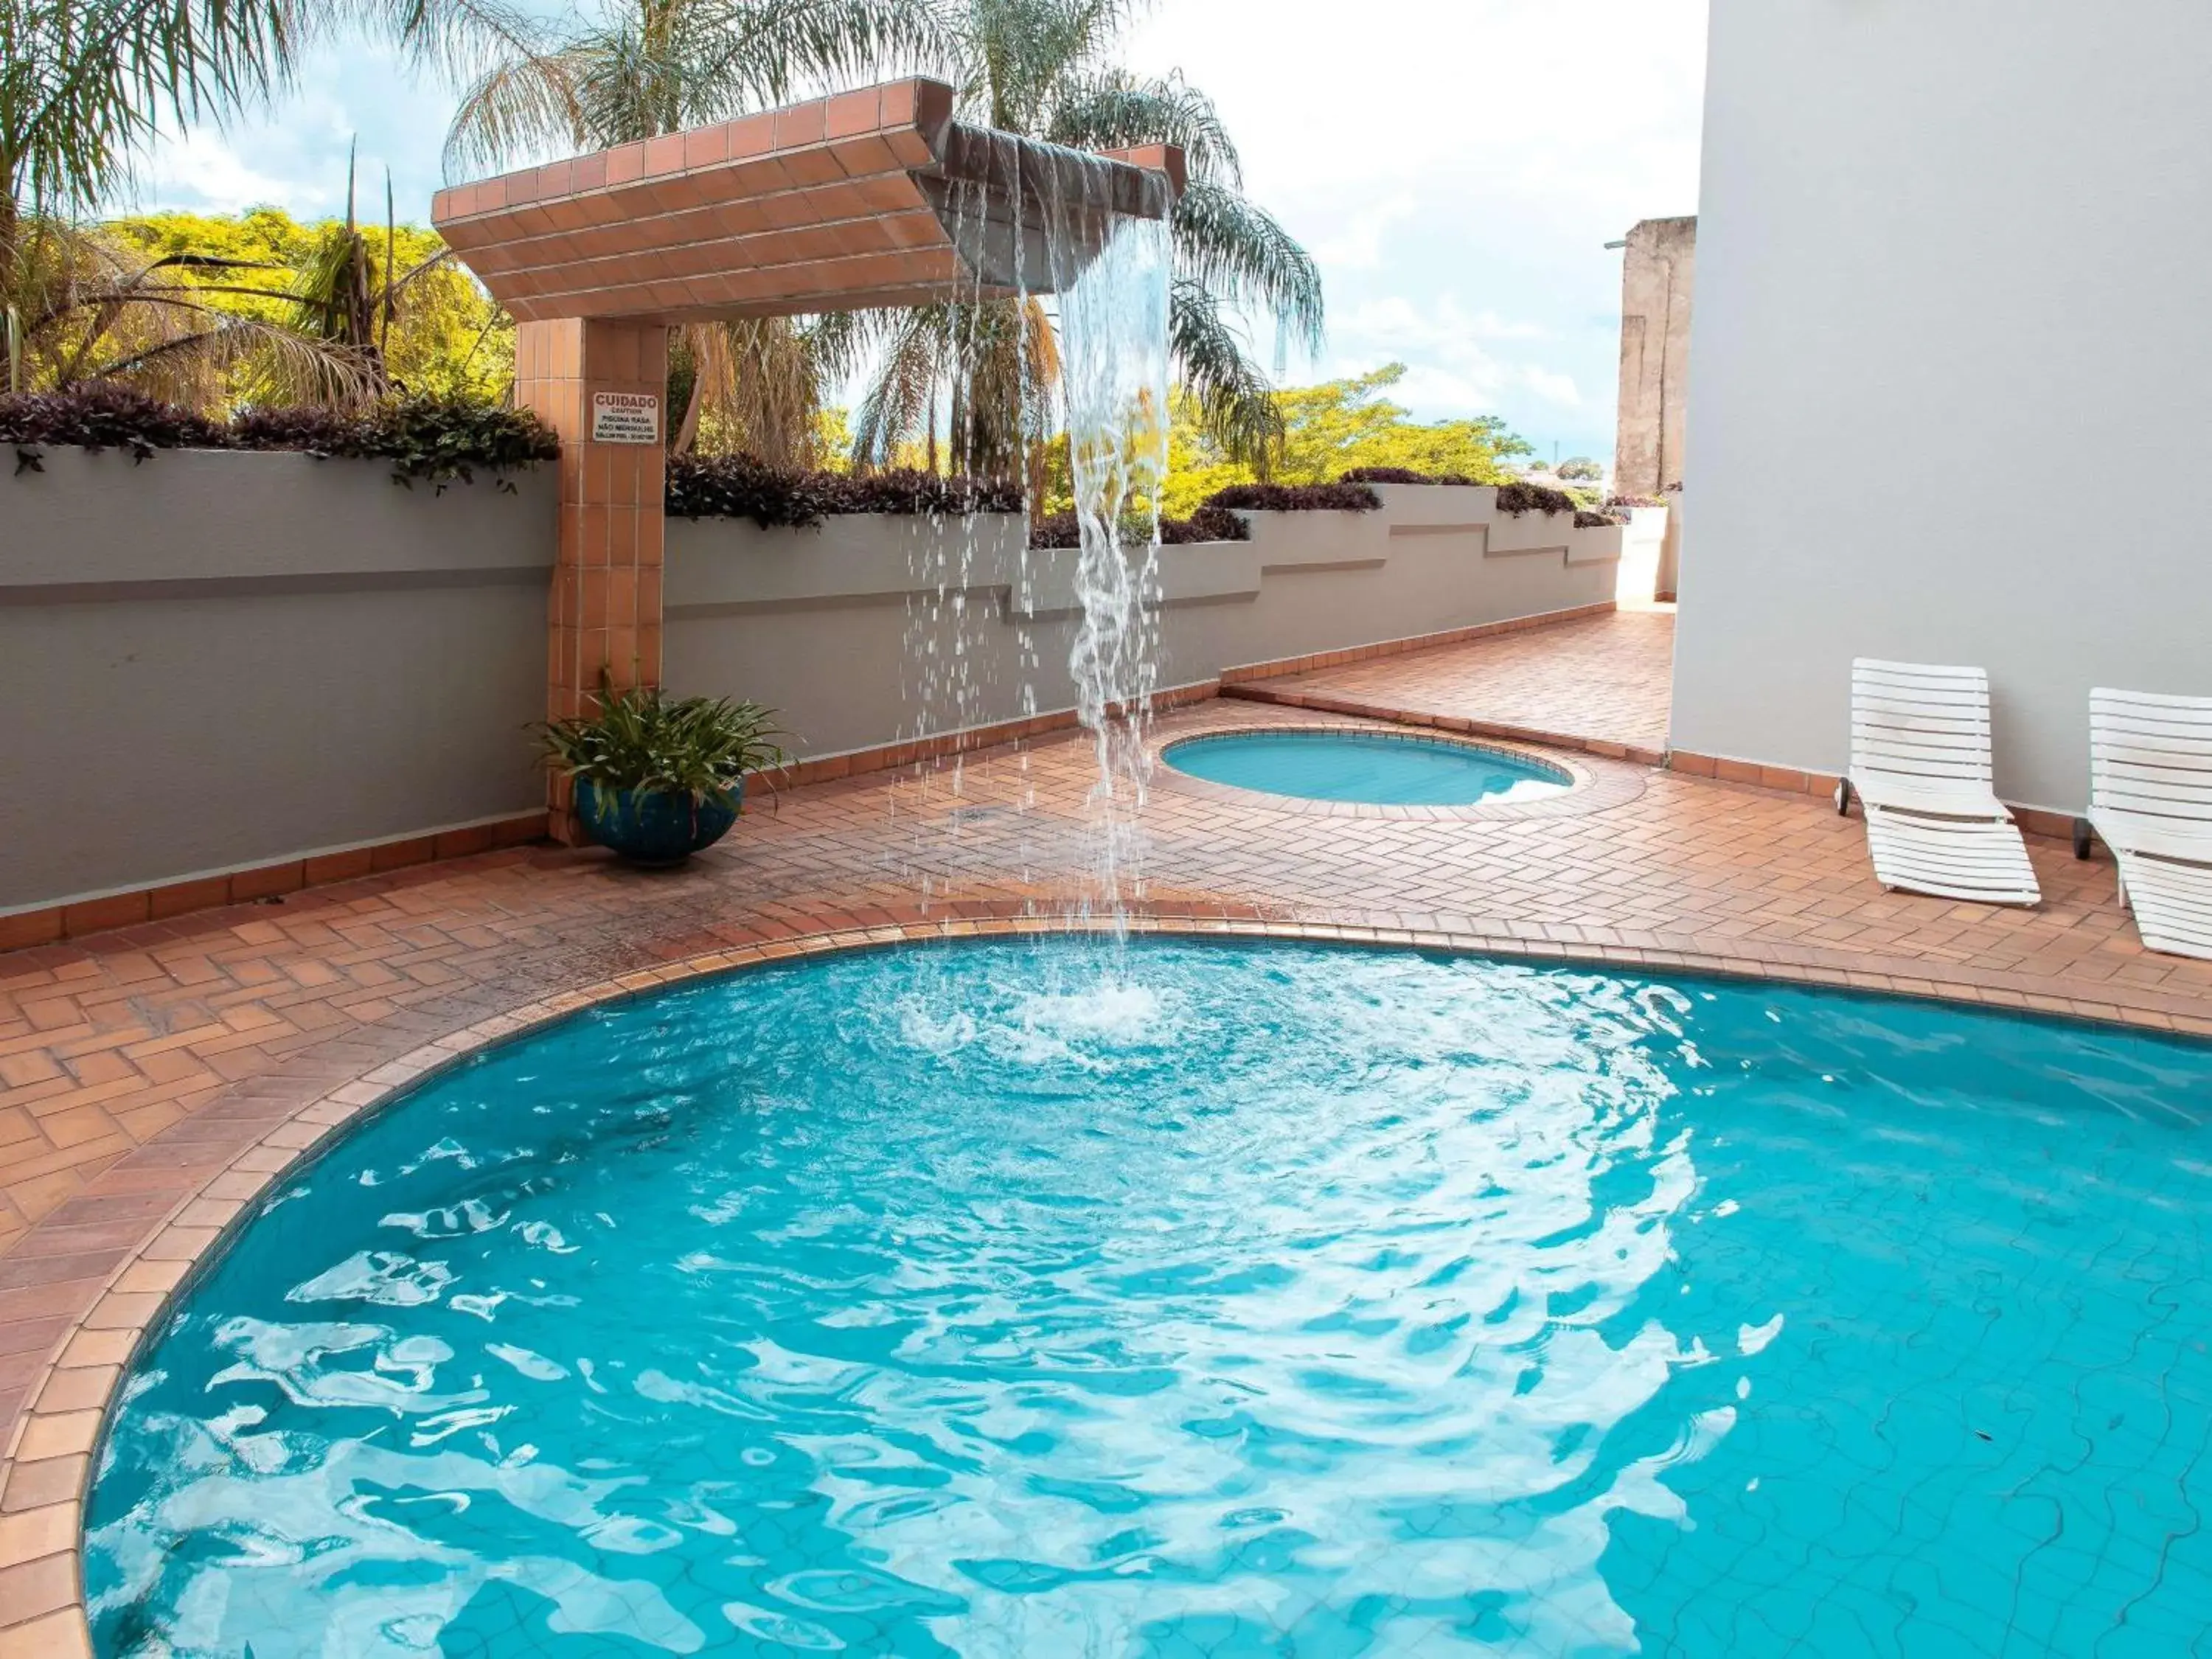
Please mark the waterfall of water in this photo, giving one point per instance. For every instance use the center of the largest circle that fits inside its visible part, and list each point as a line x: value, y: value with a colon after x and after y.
x: 1114, y: 322
x: 1110, y: 319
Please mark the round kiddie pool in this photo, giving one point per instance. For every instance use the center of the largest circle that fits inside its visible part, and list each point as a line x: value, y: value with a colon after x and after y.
x: 1195, y: 1299
x: 1375, y: 768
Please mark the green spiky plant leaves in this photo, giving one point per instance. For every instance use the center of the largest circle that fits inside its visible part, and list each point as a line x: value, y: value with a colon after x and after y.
x: 644, y: 740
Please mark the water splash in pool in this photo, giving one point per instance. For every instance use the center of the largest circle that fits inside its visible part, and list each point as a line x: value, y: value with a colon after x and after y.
x: 1335, y: 1304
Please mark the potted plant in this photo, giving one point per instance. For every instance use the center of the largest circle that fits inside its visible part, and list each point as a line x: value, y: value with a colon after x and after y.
x: 658, y: 777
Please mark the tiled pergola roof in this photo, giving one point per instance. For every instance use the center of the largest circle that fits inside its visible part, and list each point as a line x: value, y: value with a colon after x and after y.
x: 874, y: 197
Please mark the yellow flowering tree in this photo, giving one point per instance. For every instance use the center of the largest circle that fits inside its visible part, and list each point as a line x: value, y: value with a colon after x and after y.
x: 446, y: 337
x: 1329, y: 429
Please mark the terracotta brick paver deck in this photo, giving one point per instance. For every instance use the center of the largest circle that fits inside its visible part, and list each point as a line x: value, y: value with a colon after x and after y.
x: 1606, y: 682
x: 150, y: 1078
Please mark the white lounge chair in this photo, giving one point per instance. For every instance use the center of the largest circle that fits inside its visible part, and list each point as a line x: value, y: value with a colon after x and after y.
x: 2150, y: 801
x: 1920, y: 764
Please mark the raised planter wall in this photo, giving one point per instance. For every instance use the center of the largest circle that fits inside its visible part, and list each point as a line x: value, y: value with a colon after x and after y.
x: 1640, y: 548
x: 215, y: 661
x: 832, y: 626
x: 222, y: 665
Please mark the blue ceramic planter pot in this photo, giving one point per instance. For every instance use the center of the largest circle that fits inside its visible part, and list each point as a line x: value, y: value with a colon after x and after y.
x: 651, y: 826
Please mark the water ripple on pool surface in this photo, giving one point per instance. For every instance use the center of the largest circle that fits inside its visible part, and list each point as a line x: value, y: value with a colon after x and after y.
x: 1019, y: 1300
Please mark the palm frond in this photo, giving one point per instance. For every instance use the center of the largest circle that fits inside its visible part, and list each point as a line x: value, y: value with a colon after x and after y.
x: 1019, y: 53
x: 900, y: 406
x: 680, y: 64
x: 187, y: 365
x: 1118, y: 110
x: 454, y: 39
x: 1236, y: 405
x: 840, y: 340
x: 525, y: 102
x: 1238, y: 251
x: 757, y: 386
x: 750, y: 54
x: 83, y: 82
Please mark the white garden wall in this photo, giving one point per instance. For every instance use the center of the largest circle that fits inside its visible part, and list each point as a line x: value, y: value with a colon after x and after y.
x: 214, y: 661
x: 217, y: 661
x: 833, y: 626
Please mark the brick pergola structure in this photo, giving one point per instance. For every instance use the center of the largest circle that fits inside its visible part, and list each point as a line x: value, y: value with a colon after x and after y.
x: 874, y: 197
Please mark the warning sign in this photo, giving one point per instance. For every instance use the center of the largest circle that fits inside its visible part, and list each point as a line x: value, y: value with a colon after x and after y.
x: 625, y: 417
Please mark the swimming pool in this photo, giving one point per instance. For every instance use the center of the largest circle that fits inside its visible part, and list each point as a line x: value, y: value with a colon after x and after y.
x: 1377, y: 769
x: 1204, y: 1300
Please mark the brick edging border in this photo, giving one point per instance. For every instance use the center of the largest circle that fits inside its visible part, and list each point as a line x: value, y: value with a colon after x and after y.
x: 1323, y: 702
x: 51, y: 923
x: 1276, y: 668
x: 888, y: 757
x: 46, y: 1467
x: 2032, y: 820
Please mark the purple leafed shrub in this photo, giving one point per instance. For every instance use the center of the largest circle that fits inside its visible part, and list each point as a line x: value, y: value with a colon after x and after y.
x: 1623, y: 502
x: 1208, y: 524
x: 1518, y: 498
x: 1374, y: 475
x: 308, y: 430
x: 423, y: 438
x: 739, y: 487
x: 99, y: 417
x: 1297, y: 498
x: 1588, y: 519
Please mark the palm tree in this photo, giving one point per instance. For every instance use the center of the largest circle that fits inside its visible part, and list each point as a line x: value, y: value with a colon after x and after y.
x: 83, y: 308
x: 637, y: 69
x: 85, y: 83
x: 993, y: 365
x: 1039, y: 68
x: 349, y: 294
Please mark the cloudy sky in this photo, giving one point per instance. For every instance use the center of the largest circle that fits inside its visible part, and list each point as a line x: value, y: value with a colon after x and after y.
x: 1456, y: 166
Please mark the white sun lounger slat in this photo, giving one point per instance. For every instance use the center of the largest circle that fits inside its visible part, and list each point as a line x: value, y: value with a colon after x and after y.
x: 1920, y: 764
x: 2150, y: 801
x: 2158, y: 800
x: 1920, y: 738
x: 1983, y: 861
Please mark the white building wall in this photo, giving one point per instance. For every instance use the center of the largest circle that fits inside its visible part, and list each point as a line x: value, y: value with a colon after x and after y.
x: 1955, y: 296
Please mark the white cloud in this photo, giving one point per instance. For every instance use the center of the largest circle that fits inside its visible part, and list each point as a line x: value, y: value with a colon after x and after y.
x: 1459, y: 360
x: 295, y: 156
x: 1444, y: 318
x: 203, y: 169
x: 1439, y: 390
x: 1554, y: 388
x: 1358, y: 244
x: 1457, y: 167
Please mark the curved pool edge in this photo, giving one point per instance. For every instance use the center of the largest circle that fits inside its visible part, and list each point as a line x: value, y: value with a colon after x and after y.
x: 1592, y: 785
x: 45, y: 1472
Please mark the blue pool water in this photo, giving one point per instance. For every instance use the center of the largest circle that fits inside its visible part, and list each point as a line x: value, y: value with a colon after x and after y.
x: 1207, y: 1302
x: 1379, y: 770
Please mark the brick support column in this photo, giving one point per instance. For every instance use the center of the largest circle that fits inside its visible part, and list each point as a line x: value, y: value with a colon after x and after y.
x: 604, y: 608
